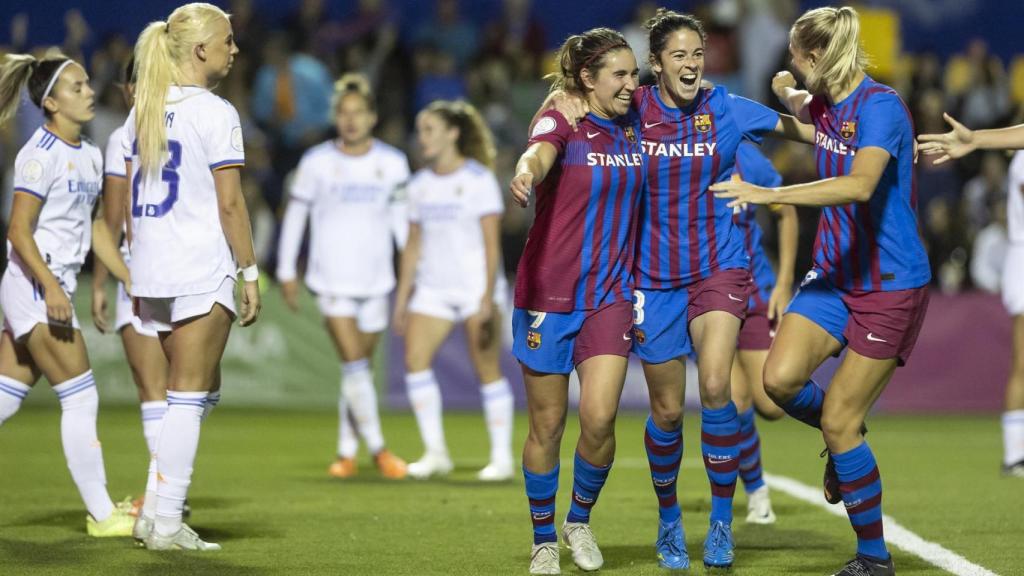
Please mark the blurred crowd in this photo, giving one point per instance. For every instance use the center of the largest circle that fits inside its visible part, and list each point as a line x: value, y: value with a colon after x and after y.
x: 282, y: 81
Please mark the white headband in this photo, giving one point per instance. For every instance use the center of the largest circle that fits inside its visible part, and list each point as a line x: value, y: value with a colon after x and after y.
x: 53, y: 80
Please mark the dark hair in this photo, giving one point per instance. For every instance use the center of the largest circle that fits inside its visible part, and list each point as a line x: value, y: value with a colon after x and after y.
x: 129, y: 70
x: 581, y: 52
x: 665, y: 22
x: 475, y: 138
x: 24, y: 71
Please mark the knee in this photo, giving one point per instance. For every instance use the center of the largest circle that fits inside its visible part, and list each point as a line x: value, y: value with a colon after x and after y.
x: 667, y: 415
x: 839, y: 429
x: 546, y: 427
x: 781, y: 382
x: 416, y: 360
x: 715, y: 392
x: 597, y: 428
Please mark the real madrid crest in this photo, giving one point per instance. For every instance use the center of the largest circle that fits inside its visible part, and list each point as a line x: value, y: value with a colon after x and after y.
x: 702, y: 122
x: 630, y: 134
x: 533, y: 340
x: 848, y: 129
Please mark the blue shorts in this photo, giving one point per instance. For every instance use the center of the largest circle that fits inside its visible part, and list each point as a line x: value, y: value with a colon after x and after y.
x: 556, y: 342
x: 821, y: 303
x: 661, y: 326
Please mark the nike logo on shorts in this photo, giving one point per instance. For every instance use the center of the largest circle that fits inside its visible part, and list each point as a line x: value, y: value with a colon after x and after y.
x: 626, y: 337
x: 735, y: 299
x: 874, y: 338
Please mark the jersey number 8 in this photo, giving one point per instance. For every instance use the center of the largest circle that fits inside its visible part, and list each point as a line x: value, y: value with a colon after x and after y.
x: 169, y: 174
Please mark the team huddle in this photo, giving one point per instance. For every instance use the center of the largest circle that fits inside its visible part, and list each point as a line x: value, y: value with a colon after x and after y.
x: 644, y: 242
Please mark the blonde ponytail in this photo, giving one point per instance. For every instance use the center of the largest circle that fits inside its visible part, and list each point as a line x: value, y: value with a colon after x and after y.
x: 835, y: 34
x: 475, y: 138
x: 353, y: 83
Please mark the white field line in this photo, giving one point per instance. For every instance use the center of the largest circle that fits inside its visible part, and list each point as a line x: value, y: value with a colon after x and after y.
x: 895, y: 533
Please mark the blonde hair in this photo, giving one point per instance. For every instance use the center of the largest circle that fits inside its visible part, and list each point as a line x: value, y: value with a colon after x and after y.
x: 25, y: 71
x: 163, y: 49
x: 581, y: 52
x: 353, y: 83
x: 835, y: 33
x: 475, y: 138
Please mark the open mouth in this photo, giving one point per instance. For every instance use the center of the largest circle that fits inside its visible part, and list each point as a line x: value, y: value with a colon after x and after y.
x: 688, y: 80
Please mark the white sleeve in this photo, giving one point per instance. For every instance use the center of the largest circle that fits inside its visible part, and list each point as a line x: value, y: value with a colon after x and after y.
x: 128, y: 137
x: 399, y: 206
x: 113, y: 161
x: 491, y: 201
x: 34, y: 171
x: 223, y: 138
x: 303, y: 181
x: 293, y: 226
x: 412, y: 203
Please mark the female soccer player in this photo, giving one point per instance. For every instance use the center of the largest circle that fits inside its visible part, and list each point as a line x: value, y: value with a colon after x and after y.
x: 768, y: 300
x: 573, y: 287
x: 141, y: 346
x: 57, y: 177
x: 351, y: 187
x: 868, y: 288
x: 451, y: 272
x: 188, y: 234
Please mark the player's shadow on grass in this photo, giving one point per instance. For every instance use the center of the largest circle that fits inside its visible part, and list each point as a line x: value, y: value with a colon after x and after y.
x: 175, y: 563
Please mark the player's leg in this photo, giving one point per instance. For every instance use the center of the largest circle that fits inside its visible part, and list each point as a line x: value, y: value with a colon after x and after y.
x: 484, y: 340
x: 746, y: 384
x: 547, y: 400
x: 355, y: 370
x: 424, y: 334
x: 18, y: 374
x: 1013, y: 417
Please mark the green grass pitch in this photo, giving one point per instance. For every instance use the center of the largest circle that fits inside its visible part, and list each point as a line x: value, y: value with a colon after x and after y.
x: 260, y: 489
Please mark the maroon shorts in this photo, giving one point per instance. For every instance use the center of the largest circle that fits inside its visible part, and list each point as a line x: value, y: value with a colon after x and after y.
x: 885, y: 324
x: 607, y: 330
x: 725, y: 290
x: 758, y: 331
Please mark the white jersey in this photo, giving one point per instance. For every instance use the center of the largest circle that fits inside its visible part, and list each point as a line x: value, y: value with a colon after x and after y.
x: 178, y: 246
x: 114, y: 165
x: 356, y: 206
x: 1015, y: 200
x: 448, y: 209
x: 67, y: 178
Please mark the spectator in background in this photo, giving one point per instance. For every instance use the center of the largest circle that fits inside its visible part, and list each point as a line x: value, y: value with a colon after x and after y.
x: 437, y: 77
x: 449, y: 33
x: 763, y: 39
x: 933, y: 180
x: 986, y: 101
x: 250, y: 33
x: 364, y: 41
x: 980, y: 192
x: 304, y: 25
x: 637, y: 36
x: 516, y: 32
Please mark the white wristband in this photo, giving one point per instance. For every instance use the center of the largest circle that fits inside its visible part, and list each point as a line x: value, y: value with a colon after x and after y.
x: 251, y: 273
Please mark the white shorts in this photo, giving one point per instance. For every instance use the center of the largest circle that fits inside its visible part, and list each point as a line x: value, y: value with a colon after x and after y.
x: 159, y: 314
x: 1013, y: 280
x: 123, y: 315
x: 371, y: 313
x: 23, y: 304
x: 450, y: 306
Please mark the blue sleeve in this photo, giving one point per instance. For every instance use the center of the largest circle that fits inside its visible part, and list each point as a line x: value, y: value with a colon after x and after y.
x: 883, y: 123
x: 752, y: 119
x: 754, y: 167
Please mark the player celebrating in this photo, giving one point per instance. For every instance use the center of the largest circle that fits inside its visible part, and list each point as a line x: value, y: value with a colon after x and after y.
x: 351, y: 188
x: 57, y: 177
x: 768, y: 300
x: 573, y: 287
x: 184, y: 151
x: 451, y: 267
x: 868, y: 288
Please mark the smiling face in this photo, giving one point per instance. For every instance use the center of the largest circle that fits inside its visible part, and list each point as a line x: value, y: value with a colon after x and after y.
x: 217, y: 55
x: 435, y: 136
x: 612, y: 85
x: 71, y: 97
x: 680, y: 65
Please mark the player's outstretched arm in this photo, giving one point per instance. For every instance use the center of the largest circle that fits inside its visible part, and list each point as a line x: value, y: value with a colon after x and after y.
x: 796, y: 101
x: 234, y: 221
x: 532, y: 168
x: 961, y: 141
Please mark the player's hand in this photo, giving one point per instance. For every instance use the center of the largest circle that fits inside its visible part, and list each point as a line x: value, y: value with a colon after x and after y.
x: 741, y: 193
x: 99, y: 309
x: 956, y: 143
x: 290, y: 293
x: 250, y: 303
x: 781, y: 81
x: 58, y: 306
x: 779, y: 299
x: 521, y: 188
x: 399, y: 318
x: 571, y: 106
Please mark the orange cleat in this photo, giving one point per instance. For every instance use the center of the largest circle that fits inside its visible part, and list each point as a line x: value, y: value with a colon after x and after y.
x: 390, y: 466
x: 343, y: 468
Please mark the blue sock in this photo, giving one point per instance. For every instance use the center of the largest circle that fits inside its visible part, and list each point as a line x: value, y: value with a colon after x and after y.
x: 540, y: 491
x: 861, y: 488
x: 806, y: 405
x: 750, y: 453
x: 587, y: 481
x: 664, y: 452
x: 720, y: 444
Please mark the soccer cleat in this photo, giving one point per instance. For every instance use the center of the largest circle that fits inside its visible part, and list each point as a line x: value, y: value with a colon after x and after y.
x: 343, y: 468
x: 671, y: 546
x: 718, y: 546
x: 390, y: 466
x: 431, y: 465
x: 496, y: 472
x: 544, y: 559
x: 580, y: 539
x: 1014, y: 470
x: 867, y: 566
x: 142, y: 529
x: 119, y: 523
x: 184, y: 539
x: 759, y: 507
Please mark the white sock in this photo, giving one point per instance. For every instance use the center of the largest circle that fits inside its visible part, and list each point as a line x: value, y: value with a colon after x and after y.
x: 212, y: 399
x: 149, y: 501
x: 425, y: 397
x: 12, y: 393
x: 176, y: 452
x: 499, y: 405
x: 79, y: 403
x: 348, y: 442
x: 1013, y: 437
x: 152, y: 417
x: 361, y: 397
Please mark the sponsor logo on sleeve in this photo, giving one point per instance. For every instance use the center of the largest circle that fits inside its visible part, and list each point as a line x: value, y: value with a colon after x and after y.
x: 236, y: 138
x: 32, y: 171
x: 543, y: 126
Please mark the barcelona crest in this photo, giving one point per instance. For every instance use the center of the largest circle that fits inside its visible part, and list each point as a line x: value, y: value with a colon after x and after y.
x: 533, y: 340
x: 639, y: 335
x: 848, y: 129
x: 630, y: 134
x: 702, y: 122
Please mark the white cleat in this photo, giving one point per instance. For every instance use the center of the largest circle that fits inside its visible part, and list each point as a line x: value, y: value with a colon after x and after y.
x: 759, y: 507
x: 580, y: 539
x: 544, y: 559
x: 142, y: 529
x: 496, y: 472
x: 430, y: 465
x: 184, y: 539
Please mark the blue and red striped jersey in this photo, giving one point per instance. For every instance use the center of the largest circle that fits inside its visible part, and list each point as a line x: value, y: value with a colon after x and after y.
x: 580, y: 250
x: 753, y: 167
x: 875, y: 245
x: 686, y: 234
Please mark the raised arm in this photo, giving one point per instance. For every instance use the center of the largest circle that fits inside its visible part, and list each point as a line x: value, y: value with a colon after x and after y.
x: 234, y: 221
x: 532, y: 168
x: 961, y: 141
x: 796, y: 101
